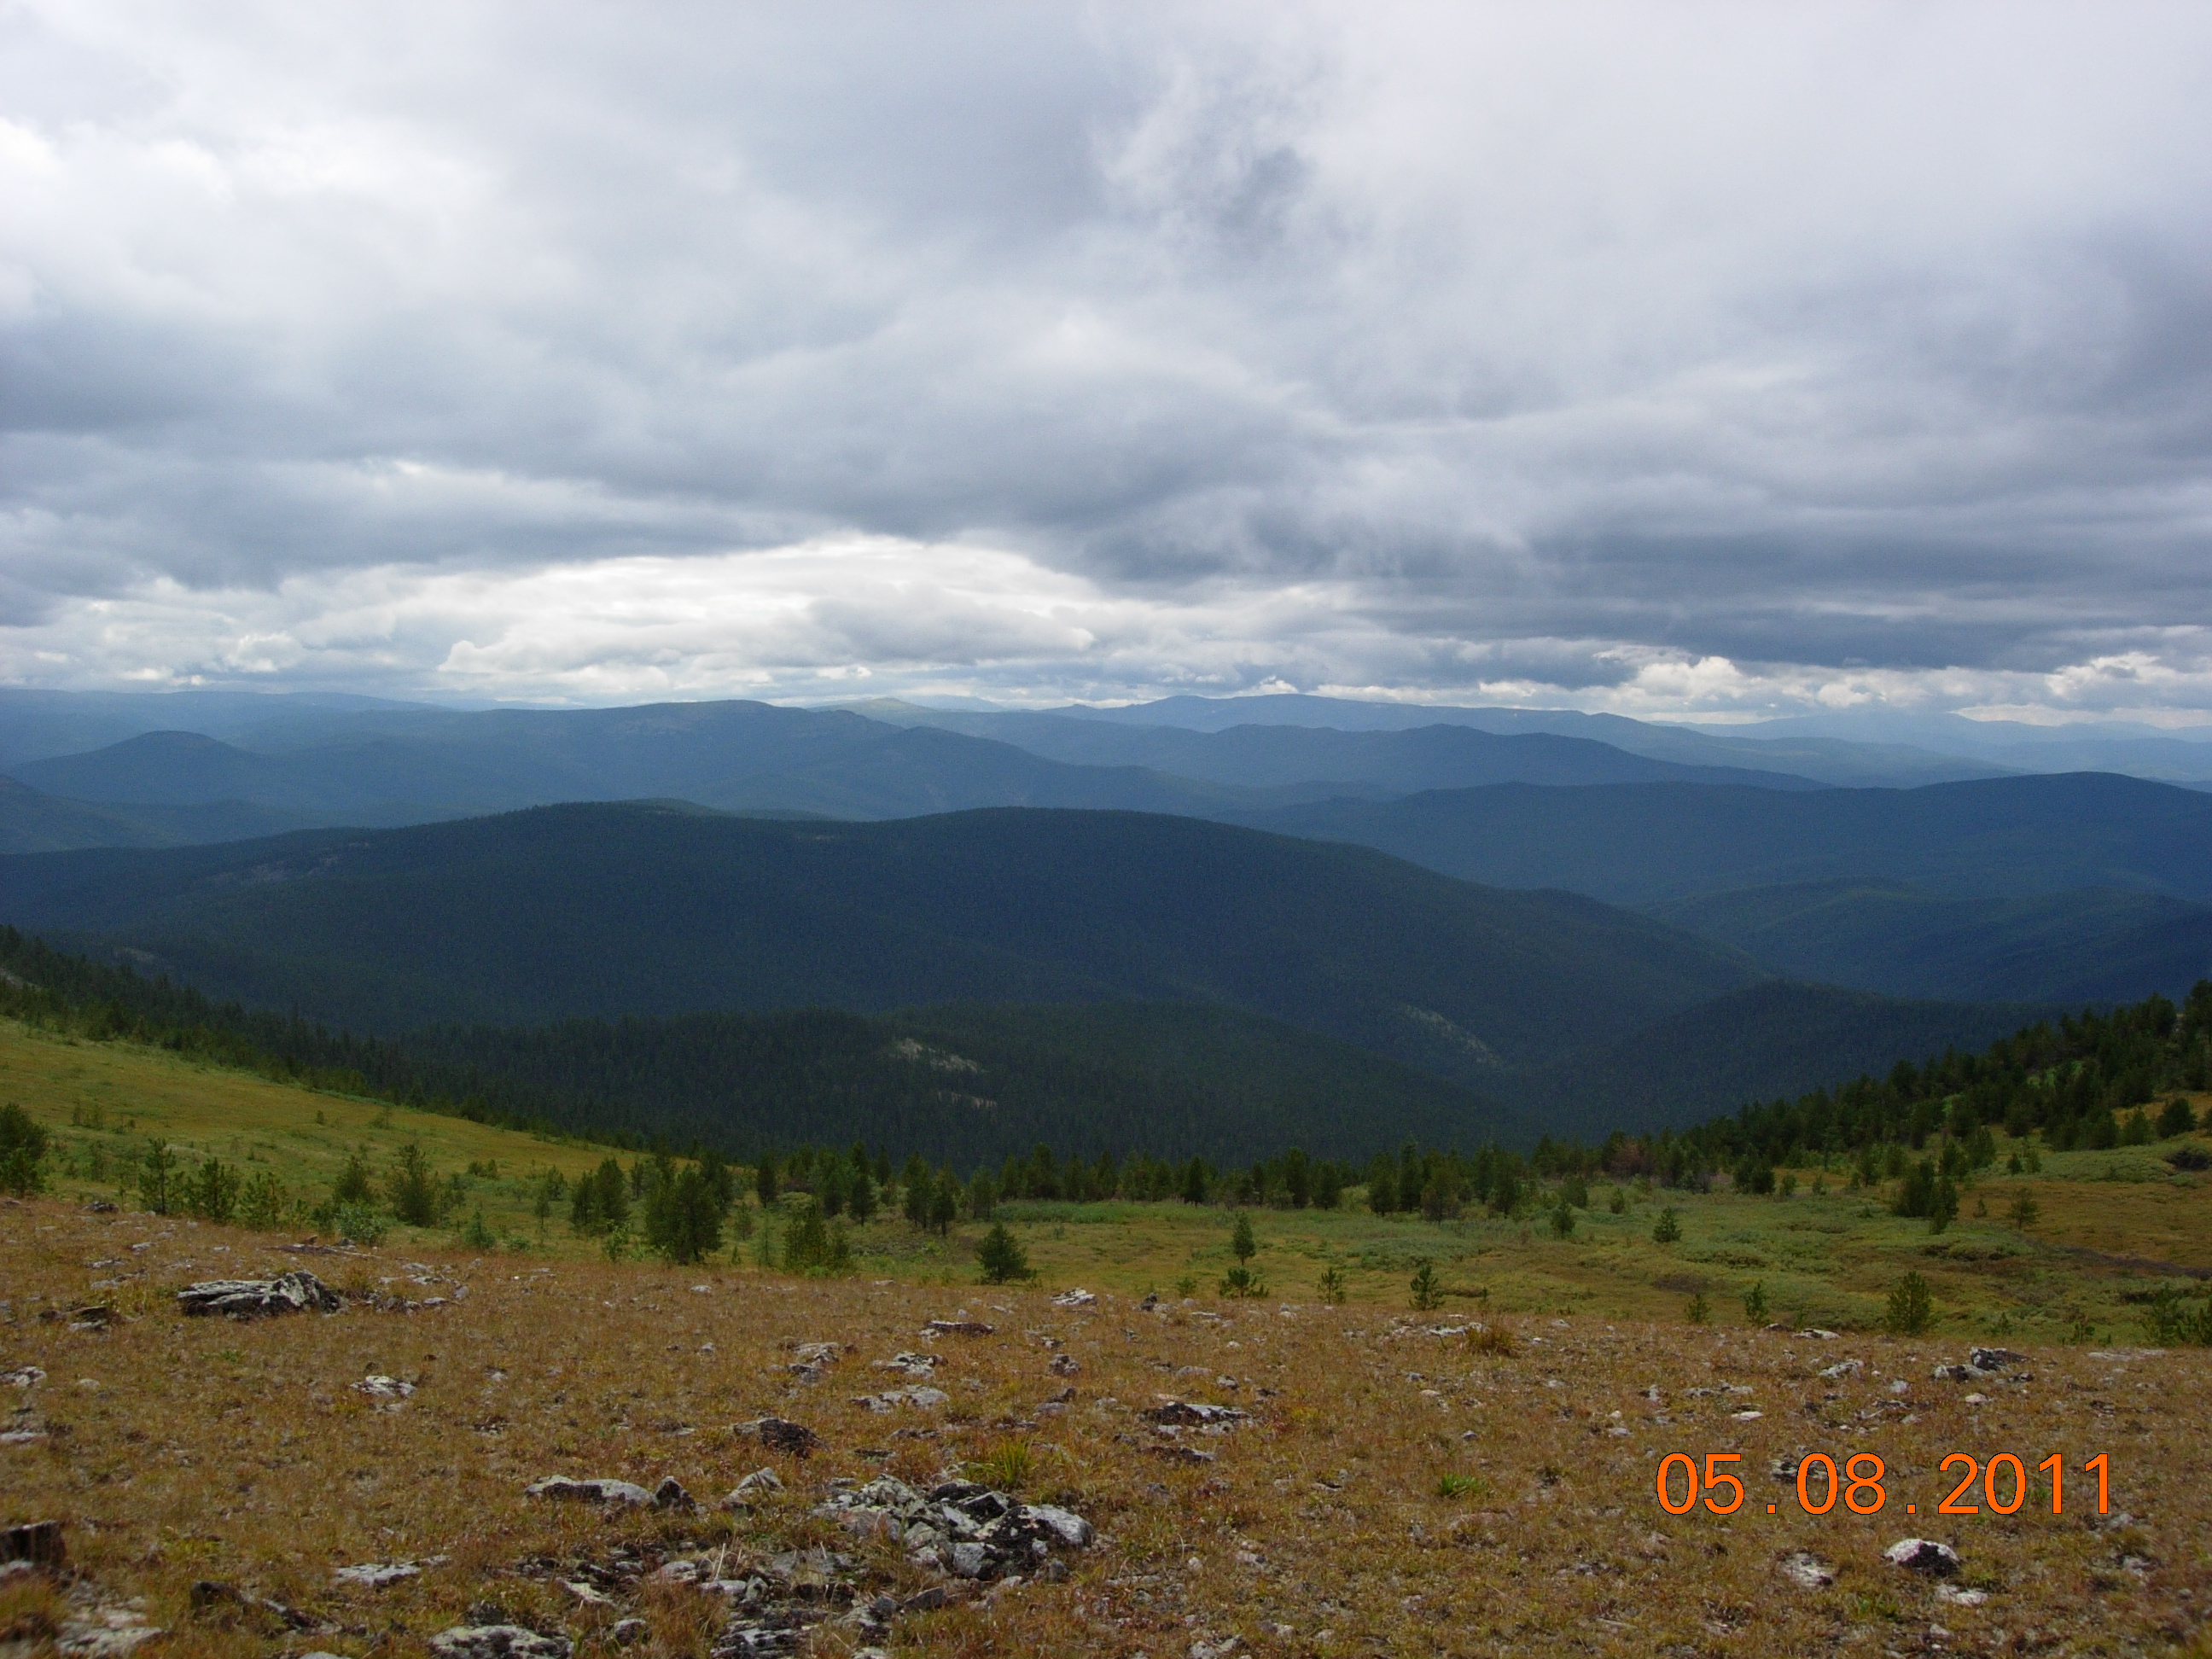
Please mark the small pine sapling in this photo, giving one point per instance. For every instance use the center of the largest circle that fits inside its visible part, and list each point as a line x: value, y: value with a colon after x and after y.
x: 1428, y: 1291
x: 1668, y: 1227
x: 1912, y: 1308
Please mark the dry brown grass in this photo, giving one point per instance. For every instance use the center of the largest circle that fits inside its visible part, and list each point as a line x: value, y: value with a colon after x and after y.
x: 181, y: 1450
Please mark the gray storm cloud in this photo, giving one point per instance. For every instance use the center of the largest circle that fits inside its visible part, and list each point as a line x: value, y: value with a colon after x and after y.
x: 1697, y: 357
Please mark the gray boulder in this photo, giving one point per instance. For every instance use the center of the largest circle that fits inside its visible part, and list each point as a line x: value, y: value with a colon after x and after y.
x: 297, y: 1292
x: 562, y: 1487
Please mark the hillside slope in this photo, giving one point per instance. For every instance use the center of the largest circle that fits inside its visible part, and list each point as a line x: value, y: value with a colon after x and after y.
x: 615, y: 910
x: 2086, y: 944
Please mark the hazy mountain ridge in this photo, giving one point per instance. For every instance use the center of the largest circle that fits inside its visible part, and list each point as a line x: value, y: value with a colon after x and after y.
x: 1643, y: 843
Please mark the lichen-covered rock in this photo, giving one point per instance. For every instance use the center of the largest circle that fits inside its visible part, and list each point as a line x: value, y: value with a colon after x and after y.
x: 563, y: 1487
x: 499, y: 1641
x: 1994, y: 1360
x: 297, y: 1292
x: 958, y: 1527
x: 1191, y: 1413
x: 1923, y: 1555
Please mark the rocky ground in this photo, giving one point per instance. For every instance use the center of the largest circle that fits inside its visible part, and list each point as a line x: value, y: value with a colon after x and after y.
x: 488, y: 1456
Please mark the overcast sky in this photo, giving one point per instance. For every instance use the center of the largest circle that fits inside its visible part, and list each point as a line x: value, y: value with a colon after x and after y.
x: 1662, y: 358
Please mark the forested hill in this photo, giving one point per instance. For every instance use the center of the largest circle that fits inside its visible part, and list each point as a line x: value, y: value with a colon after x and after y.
x: 2090, y: 1081
x: 612, y: 910
x: 964, y: 1085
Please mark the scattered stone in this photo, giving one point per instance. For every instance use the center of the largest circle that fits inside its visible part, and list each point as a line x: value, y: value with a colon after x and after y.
x: 1747, y: 1417
x: 1151, y: 1303
x: 1843, y: 1367
x: 297, y: 1292
x: 383, y: 1388
x: 1923, y: 1555
x: 1959, y: 1597
x: 38, y: 1542
x: 1952, y: 1374
x: 97, y: 1627
x: 921, y: 1365
x: 1180, y: 1454
x: 1063, y: 1364
x: 209, y: 1598
x: 670, y: 1495
x: 24, y: 1377
x: 563, y: 1487
x: 1193, y: 1414
x: 891, y: 1399
x: 1783, y: 1469
x: 753, y: 1487
x: 499, y: 1641
x: 1076, y: 1298
x: 1807, y: 1571
x: 628, y: 1633
x: 780, y: 1434
x: 375, y: 1574
x: 1994, y: 1360
x: 1814, y: 1334
x: 101, y: 1207
x: 957, y: 1328
x: 958, y: 1527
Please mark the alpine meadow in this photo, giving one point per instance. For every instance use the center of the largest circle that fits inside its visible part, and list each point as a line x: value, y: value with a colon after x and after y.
x: 1184, y: 833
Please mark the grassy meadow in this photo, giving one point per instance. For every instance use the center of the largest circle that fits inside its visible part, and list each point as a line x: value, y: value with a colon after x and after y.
x: 1469, y: 1479
x: 2107, y: 1222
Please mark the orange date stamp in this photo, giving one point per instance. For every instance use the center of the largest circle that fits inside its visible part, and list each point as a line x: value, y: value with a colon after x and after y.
x: 2003, y: 1484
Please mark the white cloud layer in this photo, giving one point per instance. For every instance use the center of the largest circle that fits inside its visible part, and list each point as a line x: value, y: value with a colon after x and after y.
x: 1698, y: 359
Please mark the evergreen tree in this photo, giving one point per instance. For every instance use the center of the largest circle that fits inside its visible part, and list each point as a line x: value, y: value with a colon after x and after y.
x: 1562, y: 1218
x: 410, y: 1189
x: 918, y: 1189
x: 860, y: 1192
x: 261, y: 1205
x: 1667, y: 1228
x: 1241, y: 1244
x: 1911, y: 1309
x: 2176, y: 1119
x: 213, y: 1194
x: 945, y: 1202
x: 1195, y: 1182
x: 612, y: 1196
x: 1427, y: 1290
x: 764, y: 1181
x: 22, y: 1144
x: 684, y: 1217
x: 355, y: 1184
x: 1000, y: 1257
x: 1754, y: 1302
x: 159, y: 1186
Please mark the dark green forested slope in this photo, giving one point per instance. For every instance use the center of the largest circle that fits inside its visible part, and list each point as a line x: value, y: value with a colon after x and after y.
x: 965, y: 1084
x: 620, y: 909
x: 970, y: 1085
x: 2090, y: 1081
x: 1638, y: 844
x: 1777, y: 1037
x: 2089, y: 944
